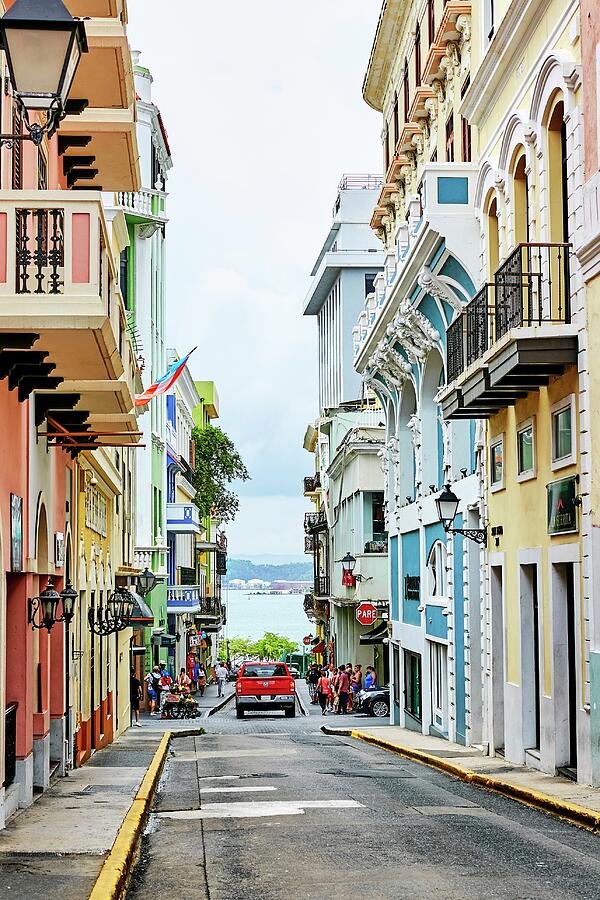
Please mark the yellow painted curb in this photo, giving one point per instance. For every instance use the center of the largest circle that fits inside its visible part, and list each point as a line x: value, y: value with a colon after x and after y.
x: 571, y: 812
x: 113, y: 875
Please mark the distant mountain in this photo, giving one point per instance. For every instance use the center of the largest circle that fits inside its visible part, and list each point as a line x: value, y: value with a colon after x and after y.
x: 271, y: 559
x: 246, y: 570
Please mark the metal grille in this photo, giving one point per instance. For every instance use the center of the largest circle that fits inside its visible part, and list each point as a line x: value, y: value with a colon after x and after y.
x: 509, y: 294
x: 455, y: 349
x: 477, y: 326
x: 322, y: 586
x: 40, y: 250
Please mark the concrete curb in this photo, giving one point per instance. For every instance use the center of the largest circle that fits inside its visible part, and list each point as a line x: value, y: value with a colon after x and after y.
x: 570, y: 812
x: 114, y: 874
x: 219, y: 706
x: 303, y: 708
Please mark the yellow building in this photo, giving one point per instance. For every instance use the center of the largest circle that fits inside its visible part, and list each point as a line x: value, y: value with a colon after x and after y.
x: 517, y: 358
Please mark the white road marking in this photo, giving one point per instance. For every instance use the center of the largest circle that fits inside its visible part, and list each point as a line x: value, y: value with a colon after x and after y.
x: 259, y: 809
x: 255, y: 789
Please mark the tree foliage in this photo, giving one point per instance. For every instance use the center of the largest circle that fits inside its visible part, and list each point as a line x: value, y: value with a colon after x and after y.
x: 218, y: 464
x: 270, y: 646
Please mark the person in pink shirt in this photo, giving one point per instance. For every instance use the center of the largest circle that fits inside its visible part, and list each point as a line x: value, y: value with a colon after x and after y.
x: 343, y: 690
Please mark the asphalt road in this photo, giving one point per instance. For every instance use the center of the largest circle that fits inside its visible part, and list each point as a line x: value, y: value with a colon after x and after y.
x: 272, y: 808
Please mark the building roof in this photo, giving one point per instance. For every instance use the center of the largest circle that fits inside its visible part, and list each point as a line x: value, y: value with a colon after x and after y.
x: 383, y: 51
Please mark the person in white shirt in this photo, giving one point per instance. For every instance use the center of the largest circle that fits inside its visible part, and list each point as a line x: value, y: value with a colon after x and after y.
x: 222, y: 674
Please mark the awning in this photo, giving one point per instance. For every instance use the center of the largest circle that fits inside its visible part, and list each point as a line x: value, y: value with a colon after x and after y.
x: 318, y: 648
x: 377, y: 635
x: 142, y: 614
x: 138, y: 651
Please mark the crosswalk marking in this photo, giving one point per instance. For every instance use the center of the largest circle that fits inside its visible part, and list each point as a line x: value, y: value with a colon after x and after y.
x: 253, y: 789
x: 259, y: 809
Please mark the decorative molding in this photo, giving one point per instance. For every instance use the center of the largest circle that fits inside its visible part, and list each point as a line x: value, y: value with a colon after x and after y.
x: 439, y: 290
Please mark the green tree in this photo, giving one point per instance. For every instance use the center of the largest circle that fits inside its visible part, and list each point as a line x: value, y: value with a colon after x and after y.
x: 218, y: 464
x: 240, y: 647
x: 274, y: 646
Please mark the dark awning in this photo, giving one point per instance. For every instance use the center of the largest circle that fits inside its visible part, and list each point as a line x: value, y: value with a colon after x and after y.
x: 142, y: 614
x: 377, y: 635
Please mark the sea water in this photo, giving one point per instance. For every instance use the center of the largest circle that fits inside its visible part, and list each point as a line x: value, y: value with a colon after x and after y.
x: 251, y: 615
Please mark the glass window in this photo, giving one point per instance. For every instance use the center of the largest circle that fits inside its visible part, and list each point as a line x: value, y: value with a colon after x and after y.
x: 496, y: 463
x: 525, y: 449
x: 562, y: 435
x: 436, y: 570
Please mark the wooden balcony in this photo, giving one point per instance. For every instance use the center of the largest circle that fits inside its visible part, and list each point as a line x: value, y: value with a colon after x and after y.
x: 514, y: 335
x: 104, y: 77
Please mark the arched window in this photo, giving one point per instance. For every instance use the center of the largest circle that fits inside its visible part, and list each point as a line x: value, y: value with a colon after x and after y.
x: 432, y: 450
x: 521, y: 202
x: 558, y: 209
x: 437, y: 576
x: 493, y: 236
x: 406, y: 450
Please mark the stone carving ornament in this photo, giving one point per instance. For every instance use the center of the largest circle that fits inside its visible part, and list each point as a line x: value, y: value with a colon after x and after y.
x: 414, y: 426
x: 438, y: 288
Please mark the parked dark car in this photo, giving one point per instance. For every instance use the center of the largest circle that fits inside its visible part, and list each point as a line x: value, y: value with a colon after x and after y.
x: 374, y: 703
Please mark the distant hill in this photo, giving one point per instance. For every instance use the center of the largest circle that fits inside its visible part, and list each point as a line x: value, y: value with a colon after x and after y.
x: 246, y: 570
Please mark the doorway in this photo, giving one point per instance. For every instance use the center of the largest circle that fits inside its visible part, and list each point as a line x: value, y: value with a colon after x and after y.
x: 565, y: 668
x: 498, y: 664
x: 412, y: 690
x: 94, y: 736
x: 530, y: 657
x: 439, y: 689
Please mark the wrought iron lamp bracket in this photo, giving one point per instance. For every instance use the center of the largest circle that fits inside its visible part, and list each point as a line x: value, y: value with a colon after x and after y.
x: 479, y: 535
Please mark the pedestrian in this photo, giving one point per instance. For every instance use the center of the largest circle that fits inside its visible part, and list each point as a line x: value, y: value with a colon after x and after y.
x: 153, y: 686
x: 356, y: 679
x: 222, y: 674
x: 312, y: 678
x: 166, y: 683
x: 201, y: 678
x: 370, y: 679
x: 323, y: 691
x: 349, y: 673
x: 184, y: 682
x: 343, y: 690
x: 135, y: 695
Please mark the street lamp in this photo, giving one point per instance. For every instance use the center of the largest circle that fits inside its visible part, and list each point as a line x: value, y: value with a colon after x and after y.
x: 348, y: 566
x: 146, y: 582
x: 43, y: 45
x: 42, y: 610
x: 115, y: 616
x: 447, y: 506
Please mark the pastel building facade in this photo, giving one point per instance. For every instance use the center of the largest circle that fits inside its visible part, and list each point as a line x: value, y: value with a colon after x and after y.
x: 426, y: 219
x: 69, y: 374
x: 519, y: 357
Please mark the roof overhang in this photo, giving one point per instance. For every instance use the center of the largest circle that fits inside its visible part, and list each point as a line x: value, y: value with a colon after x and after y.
x: 383, y: 51
x: 104, y: 76
x: 112, y: 143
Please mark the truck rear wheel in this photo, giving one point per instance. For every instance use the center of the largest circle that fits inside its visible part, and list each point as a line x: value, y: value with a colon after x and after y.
x: 239, y: 712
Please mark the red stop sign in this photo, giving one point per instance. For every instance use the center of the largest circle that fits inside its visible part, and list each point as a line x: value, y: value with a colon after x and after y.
x: 366, y: 614
x: 306, y: 640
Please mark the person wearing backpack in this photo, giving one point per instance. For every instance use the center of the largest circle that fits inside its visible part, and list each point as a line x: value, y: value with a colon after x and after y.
x: 153, y: 686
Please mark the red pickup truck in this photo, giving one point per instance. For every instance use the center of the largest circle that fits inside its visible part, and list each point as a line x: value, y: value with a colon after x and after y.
x: 265, y: 686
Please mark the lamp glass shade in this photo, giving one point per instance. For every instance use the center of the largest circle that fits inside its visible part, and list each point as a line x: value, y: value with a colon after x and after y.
x: 447, y: 505
x: 146, y: 582
x: 128, y: 604
x: 349, y: 563
x: 49, y: 600
x: 69, y: 598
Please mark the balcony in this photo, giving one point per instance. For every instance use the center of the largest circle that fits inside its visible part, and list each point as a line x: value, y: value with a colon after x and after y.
x: 514, y: 335
x: 310, y: 543
x: 191, y: 599
x: 371, y: 573
x: 143, y: 206
x: 322, y: 586
x: 100, y: 9
x: 183, y: 518
x: 312, y: 485
x: 314, y: 522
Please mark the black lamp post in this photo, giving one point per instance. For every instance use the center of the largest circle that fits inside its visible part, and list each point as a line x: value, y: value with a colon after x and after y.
x: 43, y: 45
x: 348, y: 566
x: 146, y: 582
x: 447, y: 505
x: 115, y: 616
x: 42, y: 610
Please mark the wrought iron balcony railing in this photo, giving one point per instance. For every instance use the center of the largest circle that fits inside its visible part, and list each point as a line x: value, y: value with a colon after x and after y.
x: 322, y: 586
x: 530, y: 288
x: 310, y: 543
x: 312, y: 484
x: 316, y: 521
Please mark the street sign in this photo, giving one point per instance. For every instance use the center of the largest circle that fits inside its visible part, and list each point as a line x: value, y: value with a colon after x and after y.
x: 562, y: 506
x: 366, y: 614
x: 306, y: 640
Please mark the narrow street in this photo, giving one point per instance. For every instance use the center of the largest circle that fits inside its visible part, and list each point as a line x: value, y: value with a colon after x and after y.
x: 274, y: 808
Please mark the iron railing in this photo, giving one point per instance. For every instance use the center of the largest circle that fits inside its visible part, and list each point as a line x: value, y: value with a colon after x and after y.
x: 312, y: 484
x: 321, y: 588
x: 531, y: 287
x: 40, y: 249
x: 310, y: 543
x: 376, y: 547
x: 315, y: 521
x: 10, y: 744
x: 187, y: 575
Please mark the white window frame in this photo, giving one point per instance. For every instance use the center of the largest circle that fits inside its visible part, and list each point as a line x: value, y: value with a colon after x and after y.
x: 438, y: 554
x: 499, y: 485
x: 571, y: 459
x: 527, y: 474
x: 438, y: 655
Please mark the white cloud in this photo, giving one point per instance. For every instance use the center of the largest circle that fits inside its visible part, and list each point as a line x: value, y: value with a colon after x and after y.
x: 262, y: 102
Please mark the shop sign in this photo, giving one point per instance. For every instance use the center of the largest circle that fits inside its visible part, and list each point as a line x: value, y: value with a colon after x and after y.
x: 562, y: 506
x: 195, y: 640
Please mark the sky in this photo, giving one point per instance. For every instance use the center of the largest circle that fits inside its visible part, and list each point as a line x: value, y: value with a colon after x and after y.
x: 263, y: 107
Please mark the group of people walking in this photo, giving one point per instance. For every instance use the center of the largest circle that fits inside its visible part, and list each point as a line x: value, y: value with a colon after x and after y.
x: 335, y: 688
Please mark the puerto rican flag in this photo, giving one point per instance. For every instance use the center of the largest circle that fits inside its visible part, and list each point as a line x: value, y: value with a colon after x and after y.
x: 165, y: 383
